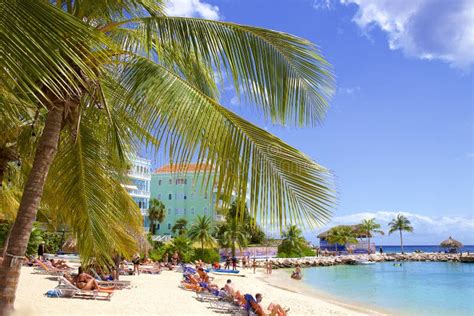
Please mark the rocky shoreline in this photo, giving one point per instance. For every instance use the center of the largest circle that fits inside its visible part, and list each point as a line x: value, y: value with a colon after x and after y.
x: 355, y: 259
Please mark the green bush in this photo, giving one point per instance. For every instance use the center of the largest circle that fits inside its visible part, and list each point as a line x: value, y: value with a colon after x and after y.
x: 206, y: 255
x: 287, y: 252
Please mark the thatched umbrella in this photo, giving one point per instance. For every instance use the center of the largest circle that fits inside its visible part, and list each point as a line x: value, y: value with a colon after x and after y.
x: 451, y: 244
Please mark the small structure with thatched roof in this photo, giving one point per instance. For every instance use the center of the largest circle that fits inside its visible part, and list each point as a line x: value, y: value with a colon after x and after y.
x: 451, y: 245
x: 360, y: 247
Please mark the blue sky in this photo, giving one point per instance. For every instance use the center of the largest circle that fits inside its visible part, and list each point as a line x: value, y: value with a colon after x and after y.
x: 399, y: 134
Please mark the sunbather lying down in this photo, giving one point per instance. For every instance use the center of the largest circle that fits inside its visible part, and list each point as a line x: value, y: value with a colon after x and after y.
x: 272, y: 309
x: 84, y: 281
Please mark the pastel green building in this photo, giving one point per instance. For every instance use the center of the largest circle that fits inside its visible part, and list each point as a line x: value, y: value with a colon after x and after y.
x: 183, y: 193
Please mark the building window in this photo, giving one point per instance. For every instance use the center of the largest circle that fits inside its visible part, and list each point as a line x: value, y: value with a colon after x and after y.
x: 159, y: 182
x: 159, y: 196
x: 170, y: 181
x: 169, y: 211
x: 169, y: 225
x: 158, y: 226
x: 205, y: 210
x: 192, y: 196
x: 176, y: 211
x: 139, y: 204
x: 170, y: 196
x: 205, y: 195
x: 185, y: 181
x: 184, y: 196
x: 184, y: 212
x: 192, y: 210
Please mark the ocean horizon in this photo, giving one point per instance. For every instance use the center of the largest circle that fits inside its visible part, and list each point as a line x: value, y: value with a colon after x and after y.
x: 424, y: 248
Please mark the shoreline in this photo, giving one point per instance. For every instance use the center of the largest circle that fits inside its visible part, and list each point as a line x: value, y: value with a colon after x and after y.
x: 281, y: 279
x: 160, y: 295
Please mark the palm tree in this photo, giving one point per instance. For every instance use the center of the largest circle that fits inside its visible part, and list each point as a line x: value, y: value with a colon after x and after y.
x: 400, y: 223
x: 107, y: 73
x: 156, y: 212
x: 180, y: 226
x: 342, y: 235
x: 201, y: 231
x: 235, y: 236
x: 293, y: 240
x: 369, y: 227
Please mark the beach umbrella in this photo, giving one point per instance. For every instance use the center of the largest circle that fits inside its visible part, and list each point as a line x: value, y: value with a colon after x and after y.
x: 451, y: 243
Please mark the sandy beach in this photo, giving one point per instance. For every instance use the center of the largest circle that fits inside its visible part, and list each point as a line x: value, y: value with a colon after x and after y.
x: 160, y: 295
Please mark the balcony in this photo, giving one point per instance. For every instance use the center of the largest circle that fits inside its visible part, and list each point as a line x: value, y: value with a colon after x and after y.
x: 139, y: 193
x: 138, y: 175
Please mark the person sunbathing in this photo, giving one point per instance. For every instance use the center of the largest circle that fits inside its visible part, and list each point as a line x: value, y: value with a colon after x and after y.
x: 204, y: 278
x: 60, y: 264
x: 229, y: 288
x: 86, y: 282
x: 272, y: 309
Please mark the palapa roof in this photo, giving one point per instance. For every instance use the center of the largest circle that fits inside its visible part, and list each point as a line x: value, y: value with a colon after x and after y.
x: 192, y: 167
x: 451, y: 243
x: 356, y: 229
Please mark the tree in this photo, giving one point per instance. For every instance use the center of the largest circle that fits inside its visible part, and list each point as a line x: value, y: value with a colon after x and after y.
x: 342, y: 235
x: 369, y: 227
x: 234, y: 235
x: 109, y: 73
x: 201, y: 231
x: 180, y: 227
x: 293, y: 243
x: 156, y: 213
x: 400, y: 223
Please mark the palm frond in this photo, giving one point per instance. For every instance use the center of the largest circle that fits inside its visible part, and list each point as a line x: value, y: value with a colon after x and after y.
x: 283, y: 182
x: 94, y: 205
x: 285, y: 75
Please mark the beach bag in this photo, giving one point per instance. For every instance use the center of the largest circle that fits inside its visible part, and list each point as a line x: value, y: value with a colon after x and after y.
x: 54, y: 293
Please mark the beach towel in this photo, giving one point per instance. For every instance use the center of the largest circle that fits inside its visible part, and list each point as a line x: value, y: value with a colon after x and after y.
x: 54, y: 293
x: 248, y: 299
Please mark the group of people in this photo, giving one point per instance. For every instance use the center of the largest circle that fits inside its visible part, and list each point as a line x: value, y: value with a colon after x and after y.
x: 200, y: 281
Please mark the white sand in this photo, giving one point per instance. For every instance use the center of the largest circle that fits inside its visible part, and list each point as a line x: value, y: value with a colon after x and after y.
x: 160, y: 295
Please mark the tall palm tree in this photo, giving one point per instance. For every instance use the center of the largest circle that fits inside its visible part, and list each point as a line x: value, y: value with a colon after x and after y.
x: 180, y: 227
x: 107, y: 73
x: 201, y: 231
x: 400, y: 223
x: 342, y: 235
x: 293, y: 240
x: 234, y: 235
x: 370, y: 227
x: 156, y: 213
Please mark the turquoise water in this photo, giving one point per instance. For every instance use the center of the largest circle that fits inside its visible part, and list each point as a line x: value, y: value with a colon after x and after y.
x: 415, y: 288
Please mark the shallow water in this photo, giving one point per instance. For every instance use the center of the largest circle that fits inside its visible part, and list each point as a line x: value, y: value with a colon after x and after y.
x: 415, y: 288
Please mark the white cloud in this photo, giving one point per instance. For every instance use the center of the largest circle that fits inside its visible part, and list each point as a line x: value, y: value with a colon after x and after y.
x: 192, y: 8
x: 427, y: 229
x: 322, y: 4
x: 349, y: 90
x: 426, y: 29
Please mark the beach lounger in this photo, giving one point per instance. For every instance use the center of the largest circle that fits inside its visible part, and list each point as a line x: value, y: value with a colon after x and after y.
x: 69, y: 290
x: 44, y: 268
x: 117, y: 284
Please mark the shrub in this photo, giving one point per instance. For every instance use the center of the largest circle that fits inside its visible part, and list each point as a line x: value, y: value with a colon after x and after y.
x: 206, y: 255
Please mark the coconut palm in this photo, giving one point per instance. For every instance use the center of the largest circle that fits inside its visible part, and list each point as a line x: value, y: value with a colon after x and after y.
x: 180, y: 227
x: 342, y: 235
x: 293, y: 240
x: 370, y: 227
x: 108, y: 74
x: 400, y: 223
x: 156, y: 213
x: 200, y: 231
x: 234, y: 235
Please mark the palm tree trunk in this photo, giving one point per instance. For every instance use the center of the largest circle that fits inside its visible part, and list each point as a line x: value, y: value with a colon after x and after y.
x: 21, y: 230
x: 202, y: 246
x: 401, y: 240
x: 233, y: 249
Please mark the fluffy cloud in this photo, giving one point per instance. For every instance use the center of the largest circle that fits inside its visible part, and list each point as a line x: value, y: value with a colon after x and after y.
x: 192, y: 8
x: 427, y: 229
x: 426, y: 29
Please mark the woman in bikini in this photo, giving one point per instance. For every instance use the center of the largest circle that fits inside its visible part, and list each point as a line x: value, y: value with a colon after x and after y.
x: 85, y: 281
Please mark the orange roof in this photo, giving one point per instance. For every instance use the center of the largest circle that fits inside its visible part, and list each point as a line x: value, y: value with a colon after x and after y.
x: 192, y: 167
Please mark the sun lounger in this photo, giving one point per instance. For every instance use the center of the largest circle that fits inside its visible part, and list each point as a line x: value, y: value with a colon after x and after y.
x: 117, y: 284
x: 48, y: 269
x: 71, y: 291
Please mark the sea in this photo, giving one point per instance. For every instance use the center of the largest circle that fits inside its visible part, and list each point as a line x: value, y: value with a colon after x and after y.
x: 412, y: 288
x: 424, y: 248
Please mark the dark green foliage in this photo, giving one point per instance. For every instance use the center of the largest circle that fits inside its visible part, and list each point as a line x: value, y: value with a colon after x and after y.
x: 207, y: 255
